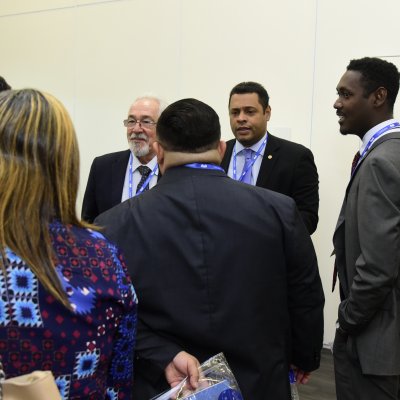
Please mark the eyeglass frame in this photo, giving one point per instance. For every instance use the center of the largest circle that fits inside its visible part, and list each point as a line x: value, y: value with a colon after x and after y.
x: 142, y: 123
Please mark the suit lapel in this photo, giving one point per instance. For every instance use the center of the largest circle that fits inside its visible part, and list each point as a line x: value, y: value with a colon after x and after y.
x: 339, y: 224
x: 228, y: 154
x: 118, y: 171
x: 339, y: 252
x: 270, y: 158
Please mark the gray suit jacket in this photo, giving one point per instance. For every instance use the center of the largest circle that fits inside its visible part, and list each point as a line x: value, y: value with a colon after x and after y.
x: 367, y: 248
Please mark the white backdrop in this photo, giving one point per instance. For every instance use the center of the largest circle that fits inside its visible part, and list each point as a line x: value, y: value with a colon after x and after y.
x: 98, y: 56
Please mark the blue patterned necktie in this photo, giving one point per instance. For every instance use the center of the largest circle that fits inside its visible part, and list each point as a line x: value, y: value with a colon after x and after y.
x: 145, y: 172
x: 248, y: 154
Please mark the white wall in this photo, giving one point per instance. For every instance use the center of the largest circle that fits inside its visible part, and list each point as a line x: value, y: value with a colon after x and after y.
x: 97, y: 56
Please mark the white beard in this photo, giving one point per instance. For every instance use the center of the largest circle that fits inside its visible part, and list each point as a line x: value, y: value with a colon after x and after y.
x: 139, y: 149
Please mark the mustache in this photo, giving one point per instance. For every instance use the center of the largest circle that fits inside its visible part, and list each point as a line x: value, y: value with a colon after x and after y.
x: 139, y: 136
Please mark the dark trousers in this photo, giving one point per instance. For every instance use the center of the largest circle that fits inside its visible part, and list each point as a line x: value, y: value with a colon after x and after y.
x: 351, y: 383
x: 148, y: 381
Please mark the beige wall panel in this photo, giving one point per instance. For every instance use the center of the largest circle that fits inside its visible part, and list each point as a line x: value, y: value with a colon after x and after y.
x: 11, y: 7
x: 124, y: 50
x: 225, y: 42
x: 40, y: 53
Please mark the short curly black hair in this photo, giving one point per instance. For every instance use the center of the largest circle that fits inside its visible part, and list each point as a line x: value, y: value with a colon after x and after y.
x: 376, y: 73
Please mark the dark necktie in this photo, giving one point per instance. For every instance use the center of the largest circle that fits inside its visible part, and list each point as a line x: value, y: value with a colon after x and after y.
x: 145, y: 172
x: 355, y: 161
x: 248, y: 154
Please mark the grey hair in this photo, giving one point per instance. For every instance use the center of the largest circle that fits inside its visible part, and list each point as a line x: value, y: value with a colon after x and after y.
x: 162, y: 103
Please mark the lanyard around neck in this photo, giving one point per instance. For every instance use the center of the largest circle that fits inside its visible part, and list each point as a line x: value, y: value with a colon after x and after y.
x: 145, y: 183
x: 373, y: 138
x: 377, y: 134
x: 204, y: 166
x: 253, y: 160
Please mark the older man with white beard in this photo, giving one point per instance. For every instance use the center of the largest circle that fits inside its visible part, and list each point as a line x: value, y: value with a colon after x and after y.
x: 116, y: 177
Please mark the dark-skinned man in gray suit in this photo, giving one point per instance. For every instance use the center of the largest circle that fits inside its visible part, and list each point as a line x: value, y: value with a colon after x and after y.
x: 367, y: 237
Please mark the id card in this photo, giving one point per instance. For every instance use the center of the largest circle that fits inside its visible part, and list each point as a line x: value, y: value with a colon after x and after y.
x: 219, y: 391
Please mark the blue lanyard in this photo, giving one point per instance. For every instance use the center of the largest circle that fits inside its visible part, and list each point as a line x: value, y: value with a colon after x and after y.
x: 145, y: 183
x: 253, y: 160
x: 374, y: 137
x: 204, y: 166
x: 379, y: 133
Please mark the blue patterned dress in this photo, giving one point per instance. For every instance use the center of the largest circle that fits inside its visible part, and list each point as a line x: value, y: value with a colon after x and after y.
x: 90, y: 350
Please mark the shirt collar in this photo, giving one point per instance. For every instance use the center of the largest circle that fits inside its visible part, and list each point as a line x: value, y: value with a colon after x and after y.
x: 136, y: 163
x: 375, y: 129
x: 254, y: 147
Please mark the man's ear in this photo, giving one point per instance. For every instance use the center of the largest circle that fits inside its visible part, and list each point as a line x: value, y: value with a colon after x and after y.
x: 221, y: 148
x: 268, y: 112
x: 159, y: 153
x: 380, y: 96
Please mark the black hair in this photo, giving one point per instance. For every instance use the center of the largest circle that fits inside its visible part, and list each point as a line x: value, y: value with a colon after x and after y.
x: 375, y: 73
x: 252, y: 87
x: 189, y: 126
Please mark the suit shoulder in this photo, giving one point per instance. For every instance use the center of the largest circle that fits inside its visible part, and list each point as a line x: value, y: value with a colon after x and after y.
x: 112, y: 156
x: 250, y: 194
x: 385, y: 152
x: 289, y: 145
x: 275, y: 197
x: 116, y: 217
x: 388, y: 143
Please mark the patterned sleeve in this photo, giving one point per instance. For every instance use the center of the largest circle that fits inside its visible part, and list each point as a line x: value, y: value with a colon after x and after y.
x: 120, y: 375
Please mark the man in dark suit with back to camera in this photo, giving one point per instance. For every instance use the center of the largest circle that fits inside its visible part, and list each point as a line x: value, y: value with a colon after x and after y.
x: 116, y: 177
x: 367, y: 237
x: 218, y: 266
x: 259, y: 158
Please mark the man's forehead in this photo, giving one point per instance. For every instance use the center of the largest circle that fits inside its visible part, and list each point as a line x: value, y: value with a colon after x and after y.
x: 244, y: 100
x: 350, y: 80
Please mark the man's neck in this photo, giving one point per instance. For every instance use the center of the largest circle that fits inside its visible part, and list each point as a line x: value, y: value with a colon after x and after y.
x: 175, y: 159
x: 247, y: 145
x: 146, y: 159
x: 373, y: 123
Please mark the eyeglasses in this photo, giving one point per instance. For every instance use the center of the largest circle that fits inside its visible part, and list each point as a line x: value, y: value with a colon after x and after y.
x: 146, y: 123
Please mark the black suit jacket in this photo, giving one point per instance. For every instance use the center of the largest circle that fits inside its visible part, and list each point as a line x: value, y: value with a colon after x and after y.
x: 288, y: 168
x: 105, y: 184
x: 195, y: 247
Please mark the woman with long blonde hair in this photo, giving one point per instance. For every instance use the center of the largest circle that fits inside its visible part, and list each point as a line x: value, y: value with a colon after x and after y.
x: 66, y: 303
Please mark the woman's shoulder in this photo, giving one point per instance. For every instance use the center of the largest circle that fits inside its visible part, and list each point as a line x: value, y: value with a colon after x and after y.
x: 83, y: 247
x: 75, y: 234
x: 87, y: 259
